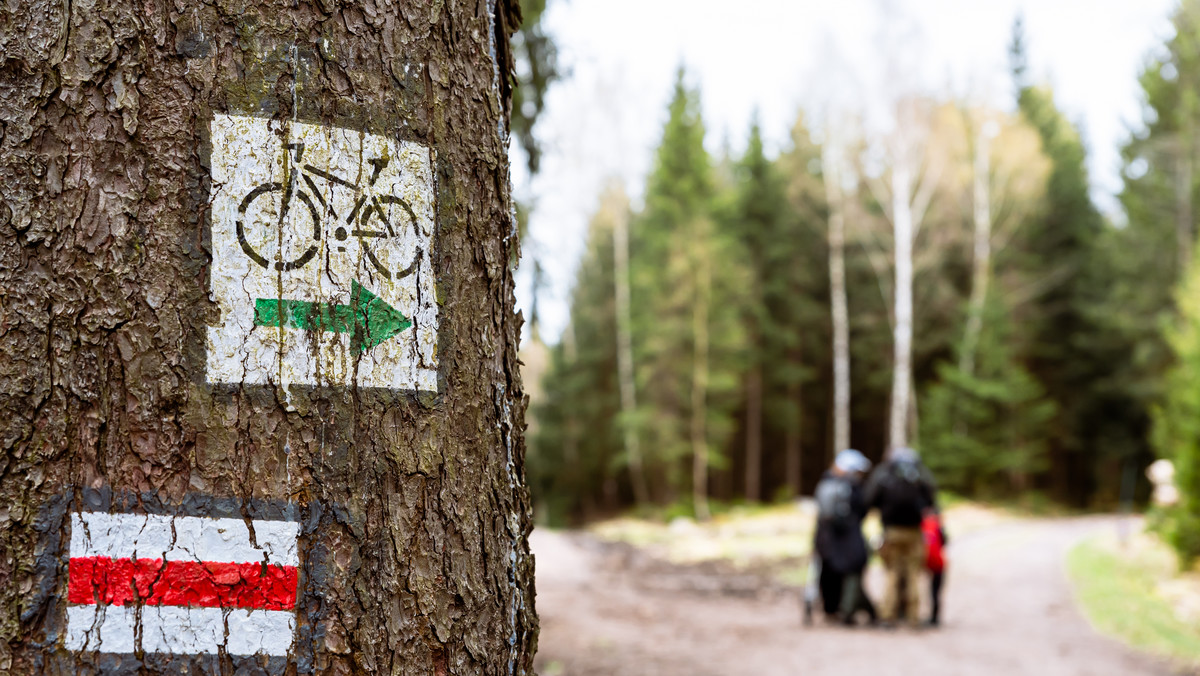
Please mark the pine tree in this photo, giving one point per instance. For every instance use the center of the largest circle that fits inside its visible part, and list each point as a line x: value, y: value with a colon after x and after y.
x: 1177, y: 420
x: 797, y: 301
x: 686, y: 280
x: 754, y: 222
x: 1061, y: 246
x: 983, y: 430
x: 984, y: 420
x: 578, y: 450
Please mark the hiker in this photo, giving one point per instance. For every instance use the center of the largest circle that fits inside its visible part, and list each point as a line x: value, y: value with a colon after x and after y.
x: 902, y: 489
x: 934, y: 535
x: 838, y: 541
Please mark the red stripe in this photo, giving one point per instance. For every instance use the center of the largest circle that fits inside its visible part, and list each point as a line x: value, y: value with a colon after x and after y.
x: 157, y: 582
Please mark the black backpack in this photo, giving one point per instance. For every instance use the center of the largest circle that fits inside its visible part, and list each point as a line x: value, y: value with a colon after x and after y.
x: 834, y: 504
x: 905, y: 494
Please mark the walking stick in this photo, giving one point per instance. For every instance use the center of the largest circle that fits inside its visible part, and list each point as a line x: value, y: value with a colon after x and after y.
x: 812, y: 588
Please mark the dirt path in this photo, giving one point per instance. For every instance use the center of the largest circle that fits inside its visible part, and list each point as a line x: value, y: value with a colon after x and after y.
x: 608, y: 611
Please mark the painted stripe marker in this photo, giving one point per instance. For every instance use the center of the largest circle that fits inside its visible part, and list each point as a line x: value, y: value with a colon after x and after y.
x: 181, y: 585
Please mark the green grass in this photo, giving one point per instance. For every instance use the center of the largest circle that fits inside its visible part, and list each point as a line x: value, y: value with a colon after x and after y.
x: 1120, y: 591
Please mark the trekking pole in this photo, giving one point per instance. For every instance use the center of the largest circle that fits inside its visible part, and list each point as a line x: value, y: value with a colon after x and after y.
x: 811, y: 588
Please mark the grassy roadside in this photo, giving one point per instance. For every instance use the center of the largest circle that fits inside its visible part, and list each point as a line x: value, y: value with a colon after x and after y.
x: 776, y: 539
x: 1133, y: 592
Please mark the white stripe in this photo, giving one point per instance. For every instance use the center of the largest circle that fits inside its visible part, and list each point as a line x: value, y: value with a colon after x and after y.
x: 90, y: 627
x: 183, y: 538
x: 181, y: 631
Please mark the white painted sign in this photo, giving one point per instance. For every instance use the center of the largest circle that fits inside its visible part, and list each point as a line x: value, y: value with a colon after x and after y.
x: 181, y: 585
x: 322, y: 242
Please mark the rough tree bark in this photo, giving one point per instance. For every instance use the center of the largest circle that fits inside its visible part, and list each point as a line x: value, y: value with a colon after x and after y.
x: 407, y: 510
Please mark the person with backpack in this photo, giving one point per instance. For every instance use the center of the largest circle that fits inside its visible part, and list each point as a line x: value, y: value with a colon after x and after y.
x: 902, y: 489
x: 838, y: 543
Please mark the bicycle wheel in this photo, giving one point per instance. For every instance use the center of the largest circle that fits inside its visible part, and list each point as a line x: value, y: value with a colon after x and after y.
x: 287, y: 246
x: 382, y: 227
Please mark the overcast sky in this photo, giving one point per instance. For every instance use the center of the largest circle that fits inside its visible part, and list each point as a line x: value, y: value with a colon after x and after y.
x: 778, y: 56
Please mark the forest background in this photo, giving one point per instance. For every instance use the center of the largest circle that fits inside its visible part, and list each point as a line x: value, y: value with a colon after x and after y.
x: 944, y: 281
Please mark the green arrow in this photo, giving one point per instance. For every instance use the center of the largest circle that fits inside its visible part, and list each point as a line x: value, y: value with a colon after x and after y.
x: 368, y: 318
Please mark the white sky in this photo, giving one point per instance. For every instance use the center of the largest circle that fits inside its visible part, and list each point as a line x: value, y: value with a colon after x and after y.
x: 776, y: 56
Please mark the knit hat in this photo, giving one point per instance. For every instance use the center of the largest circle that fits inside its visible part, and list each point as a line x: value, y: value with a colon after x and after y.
x: 850, y: 460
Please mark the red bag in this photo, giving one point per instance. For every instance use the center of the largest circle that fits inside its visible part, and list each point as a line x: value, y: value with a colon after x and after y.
x: 931, y: 529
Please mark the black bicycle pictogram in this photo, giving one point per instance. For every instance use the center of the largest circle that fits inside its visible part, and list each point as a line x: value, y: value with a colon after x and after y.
x: 370, y: 220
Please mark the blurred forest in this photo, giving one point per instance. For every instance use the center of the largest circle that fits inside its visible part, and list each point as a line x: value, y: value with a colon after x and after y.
x: 947, y: 284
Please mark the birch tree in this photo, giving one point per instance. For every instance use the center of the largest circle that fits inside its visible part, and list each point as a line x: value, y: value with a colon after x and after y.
x: 832, y: 174
x: 912, y: 184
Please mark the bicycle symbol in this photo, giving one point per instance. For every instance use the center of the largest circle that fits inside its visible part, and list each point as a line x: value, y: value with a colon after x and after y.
x: 370, y: 220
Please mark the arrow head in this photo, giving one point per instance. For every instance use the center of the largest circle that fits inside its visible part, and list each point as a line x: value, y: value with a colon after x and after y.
x: 374, y: 319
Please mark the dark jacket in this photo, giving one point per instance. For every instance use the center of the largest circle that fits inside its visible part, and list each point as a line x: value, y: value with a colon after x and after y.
x: 839, y: 540
x: 901, y: 491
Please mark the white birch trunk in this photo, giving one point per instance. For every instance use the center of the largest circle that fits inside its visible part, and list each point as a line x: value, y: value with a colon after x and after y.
x: 981, y: 273
x: 902, y: 228
x: 837, y: 287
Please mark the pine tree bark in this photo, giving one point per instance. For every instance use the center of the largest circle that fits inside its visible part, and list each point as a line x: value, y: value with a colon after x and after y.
x: 410, y: 509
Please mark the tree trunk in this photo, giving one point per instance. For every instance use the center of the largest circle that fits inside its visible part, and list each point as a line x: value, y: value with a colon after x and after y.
x: 754, y: 420
x: 902, y: 227
x: 637, y: 475
x: 791, y: 443
x: 1184, y: 240
x: 575, y: 469
x: 982, y: 268
x: 838, y: 300
x: 260, y: 403
x: 699, y: 427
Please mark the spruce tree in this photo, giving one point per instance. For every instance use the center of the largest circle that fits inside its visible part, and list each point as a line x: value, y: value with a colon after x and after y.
x: 754, y: 222
x: 1177, y: 420
x: 1060, y: 246
x: 686, y: 282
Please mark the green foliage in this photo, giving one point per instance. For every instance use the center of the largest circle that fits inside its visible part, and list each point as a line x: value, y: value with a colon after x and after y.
x: 572, y: 466
x: 1177, y: 421
x: 1072, y: 351
x: 777, y: 313
x: 680, y: 264
x: 1161, y: 185
x: 536, y: 68
x: 984, y: 433
x: 733, y: 255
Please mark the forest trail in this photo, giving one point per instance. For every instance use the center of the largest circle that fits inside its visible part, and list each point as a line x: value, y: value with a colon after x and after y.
x: 609, y: 610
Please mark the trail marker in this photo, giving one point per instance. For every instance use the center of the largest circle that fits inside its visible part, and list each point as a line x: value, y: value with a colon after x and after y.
x: 181, y: 585
x: 322, y: 242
